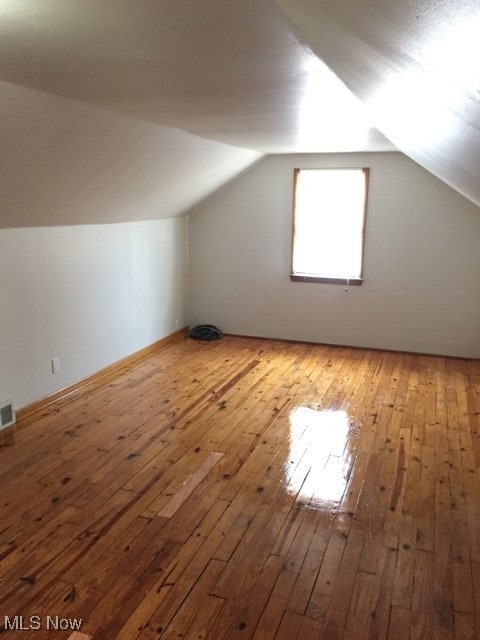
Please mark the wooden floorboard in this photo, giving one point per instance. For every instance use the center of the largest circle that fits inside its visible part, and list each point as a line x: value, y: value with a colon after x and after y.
x: 248, y: 488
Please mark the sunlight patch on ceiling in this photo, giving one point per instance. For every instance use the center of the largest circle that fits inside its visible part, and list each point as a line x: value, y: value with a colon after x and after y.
x: 416, y: 106
x: 452, y: 52
x: 330, y: 115
x: 421, y: 102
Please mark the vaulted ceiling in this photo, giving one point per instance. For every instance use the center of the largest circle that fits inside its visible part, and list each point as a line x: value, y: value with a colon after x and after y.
x: 415, y: 65
x: 123, y: 110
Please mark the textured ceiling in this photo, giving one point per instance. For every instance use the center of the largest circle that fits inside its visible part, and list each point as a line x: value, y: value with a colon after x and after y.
x: 415, y: 65
x: 232, y: 75
x: 229, y: 70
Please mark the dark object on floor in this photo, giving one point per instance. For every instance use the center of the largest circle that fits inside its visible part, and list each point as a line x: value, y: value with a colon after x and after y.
x: 205, y: 332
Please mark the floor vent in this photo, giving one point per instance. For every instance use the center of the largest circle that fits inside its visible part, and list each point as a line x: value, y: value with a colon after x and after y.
x: 7, y: 414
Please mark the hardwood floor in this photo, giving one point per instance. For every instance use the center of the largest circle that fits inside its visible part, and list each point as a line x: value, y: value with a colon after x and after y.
x: 248, y: 489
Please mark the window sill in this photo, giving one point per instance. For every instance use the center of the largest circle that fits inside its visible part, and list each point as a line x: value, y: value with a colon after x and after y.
x: 323, y: 279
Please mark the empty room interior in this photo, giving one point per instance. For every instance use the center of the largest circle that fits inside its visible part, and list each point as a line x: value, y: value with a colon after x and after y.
x: 304, y: 177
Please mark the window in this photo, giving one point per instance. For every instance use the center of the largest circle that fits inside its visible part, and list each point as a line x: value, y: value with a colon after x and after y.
x: 328, y: 225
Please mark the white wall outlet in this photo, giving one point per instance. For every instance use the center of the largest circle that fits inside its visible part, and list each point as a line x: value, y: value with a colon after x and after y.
x: 55, y: 365
x: 176, y: 324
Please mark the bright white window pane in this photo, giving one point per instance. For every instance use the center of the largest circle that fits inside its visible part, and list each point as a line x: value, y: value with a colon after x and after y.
x: 329, y: 219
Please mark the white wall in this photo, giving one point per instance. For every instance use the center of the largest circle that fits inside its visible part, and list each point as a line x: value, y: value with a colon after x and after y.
x: 421, y: 269
x: 89, y: 295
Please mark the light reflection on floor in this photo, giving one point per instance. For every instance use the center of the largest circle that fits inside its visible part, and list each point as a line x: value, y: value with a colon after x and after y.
x: 320, y: 461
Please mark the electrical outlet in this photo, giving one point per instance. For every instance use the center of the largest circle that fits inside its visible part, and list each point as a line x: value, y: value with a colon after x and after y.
x: 176, y: 324
x: 55, y: 365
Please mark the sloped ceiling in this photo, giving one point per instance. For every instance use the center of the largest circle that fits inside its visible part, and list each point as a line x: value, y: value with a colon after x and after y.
x: 119, y: 110
x: 228, y: 70
x: 113, y: 110
x: 415, y: 64
x: 63, y: 162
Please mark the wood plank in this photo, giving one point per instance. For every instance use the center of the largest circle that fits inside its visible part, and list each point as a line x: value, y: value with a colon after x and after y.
x: 27, y: 413
x: 209, y: 491
x: 399, y: 624
x: 190, y: 484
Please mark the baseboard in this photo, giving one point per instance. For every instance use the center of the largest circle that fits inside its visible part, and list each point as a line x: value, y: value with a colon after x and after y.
x: 352, y: 346
x: 112, y: 370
